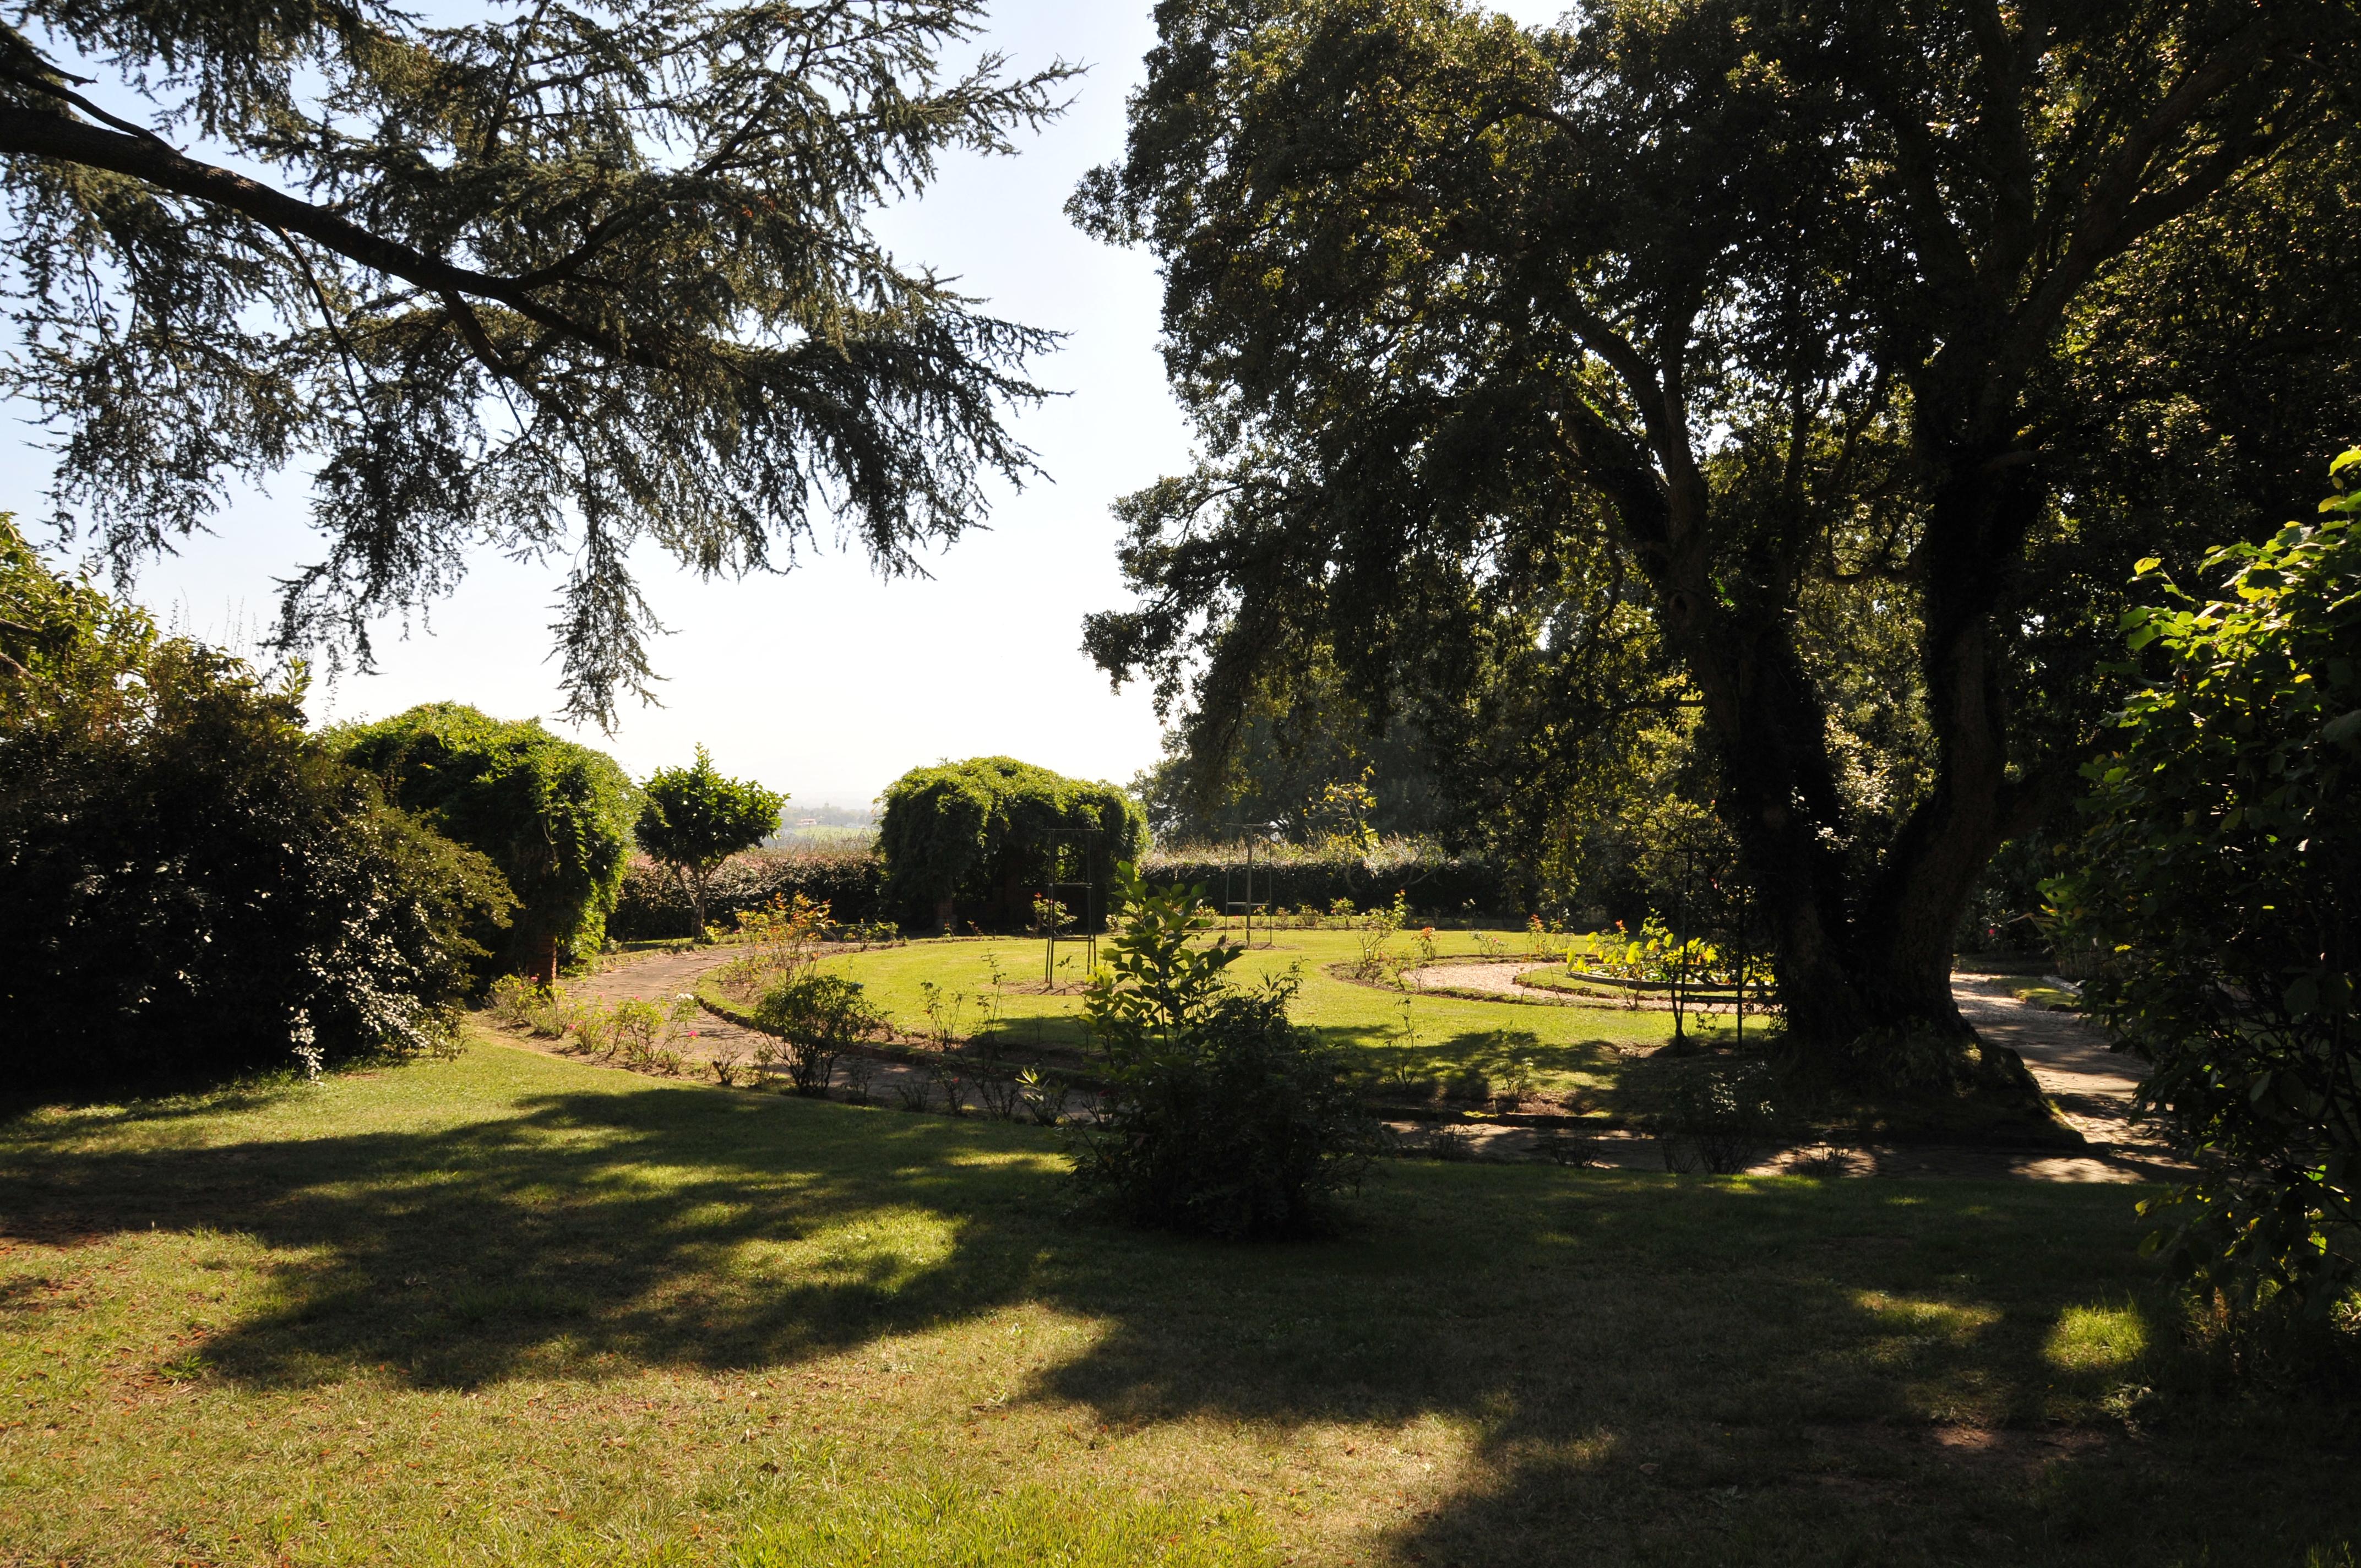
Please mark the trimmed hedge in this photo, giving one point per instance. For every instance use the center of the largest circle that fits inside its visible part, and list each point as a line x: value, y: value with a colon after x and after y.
x: 850, y: 882
x: 1435, y: 883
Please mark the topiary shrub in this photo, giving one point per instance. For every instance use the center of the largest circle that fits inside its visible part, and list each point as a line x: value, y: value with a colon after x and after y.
x: 1221, y: 1117
x: 190, y: 887
x: 555, y: 816
x: 975, y: 840
x: 692, y: 819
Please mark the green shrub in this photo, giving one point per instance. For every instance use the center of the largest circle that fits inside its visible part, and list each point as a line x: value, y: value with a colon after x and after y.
x: 1711, y: 1114
x: 693, y: 819
x: 2221, y: 874
x: 1309, y: 879
x: 652, y: 902
x: 190, y: 887
x: 555, y: 816
x: 818, y: 1016
x: 1222, y: 1118
x: 527, y: 1005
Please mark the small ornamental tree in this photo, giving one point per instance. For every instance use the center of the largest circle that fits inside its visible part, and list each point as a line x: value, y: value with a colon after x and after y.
x: 983, y: 837
x: 555, y: 816
x: 2222, y: 888
x: 692, y: 819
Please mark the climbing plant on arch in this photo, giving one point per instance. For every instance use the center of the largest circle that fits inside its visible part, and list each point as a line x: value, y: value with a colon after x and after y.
x: 970, y: 841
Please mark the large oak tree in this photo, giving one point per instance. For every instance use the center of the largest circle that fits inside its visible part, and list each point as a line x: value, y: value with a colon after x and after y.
x: 1798, y: 331
x: 552, y: 280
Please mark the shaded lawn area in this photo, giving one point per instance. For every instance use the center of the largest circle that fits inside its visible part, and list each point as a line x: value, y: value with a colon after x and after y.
x: 1567, y: 1047
x: 516, y: 1309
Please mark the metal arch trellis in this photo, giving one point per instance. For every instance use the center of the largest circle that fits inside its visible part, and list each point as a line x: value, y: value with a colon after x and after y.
x: 1092, y: 842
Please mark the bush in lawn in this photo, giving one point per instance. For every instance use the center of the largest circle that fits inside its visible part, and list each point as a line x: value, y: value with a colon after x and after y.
x: 693, y: 819
x: 975, y: 841
x: 190, y: 887
x: 1711, y: 1114
x: 2222, y: 874
x: 1223, y: 1118
x: 555, y: 816
x: 820, y: 1016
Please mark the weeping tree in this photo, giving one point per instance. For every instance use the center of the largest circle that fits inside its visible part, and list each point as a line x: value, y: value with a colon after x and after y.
x: 555, y: 816
x: 1754, y: 361
x: 983, y: 838
x: 553, y: 280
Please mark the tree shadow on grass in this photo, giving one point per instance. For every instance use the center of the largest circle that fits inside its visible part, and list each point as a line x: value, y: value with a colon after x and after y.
x: 1495, y: 1055
x: 1694, y: 1371
x: 667, y: 1226
x: 1630, y: 1368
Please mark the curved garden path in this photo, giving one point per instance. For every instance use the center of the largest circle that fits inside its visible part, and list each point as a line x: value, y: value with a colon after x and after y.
x: 2069, y: 1059
x: 2091, y: 1084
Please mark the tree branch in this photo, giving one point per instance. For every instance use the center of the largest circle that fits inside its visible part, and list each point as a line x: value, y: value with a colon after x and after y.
x: 28, y: 133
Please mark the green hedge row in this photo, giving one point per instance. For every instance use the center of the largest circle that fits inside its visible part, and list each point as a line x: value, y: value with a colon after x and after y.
x: 850, y: 882
x: 1436, y: 884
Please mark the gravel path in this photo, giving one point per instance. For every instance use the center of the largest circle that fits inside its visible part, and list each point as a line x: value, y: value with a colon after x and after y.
x: 2092, y: 1085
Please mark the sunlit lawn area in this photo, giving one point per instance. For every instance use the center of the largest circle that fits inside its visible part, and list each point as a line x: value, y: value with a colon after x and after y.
x: 1567, y: 1047
x: 514, y: 1309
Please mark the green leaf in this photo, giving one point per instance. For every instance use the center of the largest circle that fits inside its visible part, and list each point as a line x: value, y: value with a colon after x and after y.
x: 2302, y: 998
x: 2341, y: 729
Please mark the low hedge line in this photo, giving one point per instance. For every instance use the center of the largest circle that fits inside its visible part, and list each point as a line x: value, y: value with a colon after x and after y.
x: 709, y: 997
x: 1435, y: 884
x: 848, y: 880
x: 851, y: 882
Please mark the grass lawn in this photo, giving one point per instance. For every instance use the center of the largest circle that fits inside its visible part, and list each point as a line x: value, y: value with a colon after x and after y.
x: 509, y: 1308
x: 1567, y: 1047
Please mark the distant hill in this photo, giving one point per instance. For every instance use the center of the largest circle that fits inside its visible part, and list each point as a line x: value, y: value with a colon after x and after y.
x: 834, y: 825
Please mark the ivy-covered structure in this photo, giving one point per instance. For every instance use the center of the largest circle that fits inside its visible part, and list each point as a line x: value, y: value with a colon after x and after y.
x: 555, y: 816
x: 974, y: 842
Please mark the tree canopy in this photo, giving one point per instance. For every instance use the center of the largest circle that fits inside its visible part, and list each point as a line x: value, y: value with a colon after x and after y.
x: 554, y: 279
x: 555, y: 816
x: 979, y: 839
x: 1762, y: 358
x: 692, y: 819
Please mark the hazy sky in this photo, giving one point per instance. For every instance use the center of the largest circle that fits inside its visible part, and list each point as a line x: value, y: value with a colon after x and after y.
x: 826, y: 682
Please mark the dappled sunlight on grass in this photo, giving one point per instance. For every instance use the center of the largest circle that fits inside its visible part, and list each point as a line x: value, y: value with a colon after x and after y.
x: 516, y: 1309
x: 2097, y: 1339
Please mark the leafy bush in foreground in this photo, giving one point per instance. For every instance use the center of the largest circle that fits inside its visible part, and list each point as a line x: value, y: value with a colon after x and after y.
x: 820, y: 1016
x: 2221, y: 883
x: 190, y: 887
x: 1223, y: 1118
